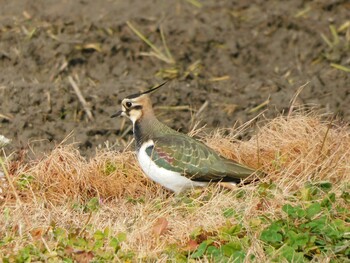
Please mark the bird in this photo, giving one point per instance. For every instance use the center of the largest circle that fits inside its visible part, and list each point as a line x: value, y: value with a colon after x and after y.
x: 172, y: 159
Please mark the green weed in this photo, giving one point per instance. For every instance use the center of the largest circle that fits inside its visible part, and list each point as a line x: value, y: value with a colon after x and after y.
x: 61, y: 245
x: 311, y: 230
x: 306, y: 231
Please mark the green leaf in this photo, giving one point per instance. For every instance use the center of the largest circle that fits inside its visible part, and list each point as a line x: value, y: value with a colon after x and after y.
x: 229, y: 212
x: 297, y: 240
x: 317, y: 225
x: 230, y: 248
x: 271, y: 235
x: 121, y: 237
x: 99, y: 235
x: 213, y: 252
x: 332, y: 231
x: 59, y: 234
x: 93, y: 204
x: 201, y: 249
x: 291, y: 255
x: 80, y: 242
x: 289, y: 210
x: 109, y: 168
x: 240, y: 193
x: 328, y: 200
x: 313, y: 210
x: 175, y: 254
x: 24, y: 181
x: 106, y: 231
x: 115, y: 241
x: 340, y: 224
x: 325, y: 186
x: 300, y: 212
x: 238, y: 257
x: 294, y: 212
x: 98, y: 244
x: 233, y: 230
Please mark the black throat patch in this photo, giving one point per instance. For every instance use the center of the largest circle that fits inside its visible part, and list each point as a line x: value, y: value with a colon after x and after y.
x: 138, y: 134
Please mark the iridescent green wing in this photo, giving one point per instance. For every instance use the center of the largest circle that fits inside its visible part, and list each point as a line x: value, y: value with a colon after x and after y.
x: 195, y: 160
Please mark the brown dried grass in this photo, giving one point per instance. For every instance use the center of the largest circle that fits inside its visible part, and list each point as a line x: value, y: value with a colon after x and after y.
x: 291, y: 151
x: 65, y: 174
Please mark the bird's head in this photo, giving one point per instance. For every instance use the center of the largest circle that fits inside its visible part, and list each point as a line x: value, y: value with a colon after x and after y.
x: 137, y: 105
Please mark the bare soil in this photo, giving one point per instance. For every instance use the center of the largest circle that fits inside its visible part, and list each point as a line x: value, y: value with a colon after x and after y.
x: 231, y: 56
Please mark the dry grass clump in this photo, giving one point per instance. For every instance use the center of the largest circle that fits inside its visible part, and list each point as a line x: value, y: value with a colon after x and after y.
x: 291, y: 151
x: 65, y: 174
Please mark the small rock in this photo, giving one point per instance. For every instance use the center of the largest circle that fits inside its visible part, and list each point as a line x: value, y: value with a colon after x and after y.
x: 4, y: 141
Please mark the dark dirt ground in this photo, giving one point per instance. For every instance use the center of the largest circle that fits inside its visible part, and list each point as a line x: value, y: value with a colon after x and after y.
x: 233, y: 54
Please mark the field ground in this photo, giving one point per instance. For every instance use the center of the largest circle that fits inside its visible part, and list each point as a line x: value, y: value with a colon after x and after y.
x: 234, y: 66
x: 235, y: 58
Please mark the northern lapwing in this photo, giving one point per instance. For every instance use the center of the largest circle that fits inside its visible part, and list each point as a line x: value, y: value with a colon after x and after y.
x: 173, y: 159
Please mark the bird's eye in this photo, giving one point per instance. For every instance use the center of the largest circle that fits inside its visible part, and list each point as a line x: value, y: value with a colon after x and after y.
x: 128, y: 104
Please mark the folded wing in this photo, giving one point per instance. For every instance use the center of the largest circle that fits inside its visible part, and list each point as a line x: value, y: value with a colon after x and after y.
x: 195, y: 160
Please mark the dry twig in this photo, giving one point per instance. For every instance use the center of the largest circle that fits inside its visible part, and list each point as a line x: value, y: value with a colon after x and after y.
x: 81, y: 98
x: 293, y: 100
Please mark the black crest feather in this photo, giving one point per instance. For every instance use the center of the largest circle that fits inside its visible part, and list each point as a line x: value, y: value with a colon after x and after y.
x: 133, y: 96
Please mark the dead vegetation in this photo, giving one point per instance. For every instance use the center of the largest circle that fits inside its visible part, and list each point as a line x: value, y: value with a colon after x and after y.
x: 300, y: 148
x: 55, y: 191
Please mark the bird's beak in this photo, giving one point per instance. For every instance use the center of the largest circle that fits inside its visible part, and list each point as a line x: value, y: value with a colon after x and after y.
x: 119, y: 113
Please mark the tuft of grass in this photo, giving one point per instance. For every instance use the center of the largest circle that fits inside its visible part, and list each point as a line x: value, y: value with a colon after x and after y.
x: 301, y: 148
x: 64, y: 173
x: 337, y: 45
x: 175, y: 70
x: 165, y: 55
x: 104, y: 209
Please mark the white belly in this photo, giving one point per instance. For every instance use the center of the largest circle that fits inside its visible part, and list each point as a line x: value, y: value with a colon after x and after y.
x: 171, y: 180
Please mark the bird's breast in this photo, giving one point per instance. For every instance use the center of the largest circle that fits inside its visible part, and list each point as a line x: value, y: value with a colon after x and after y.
x: 171, y: 180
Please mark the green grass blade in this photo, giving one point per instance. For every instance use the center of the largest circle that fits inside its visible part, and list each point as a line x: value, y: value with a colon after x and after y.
x: 334, y: 34
x: 325, y: 39
x: 195, y: 3
x: 157, y: 52
x: 167, y: 50
x: 340, y: 67
x: 143, y: 38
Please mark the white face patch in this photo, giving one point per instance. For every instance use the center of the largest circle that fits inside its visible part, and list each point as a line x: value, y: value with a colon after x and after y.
x: 128, y: 111
x: 134, y: 115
